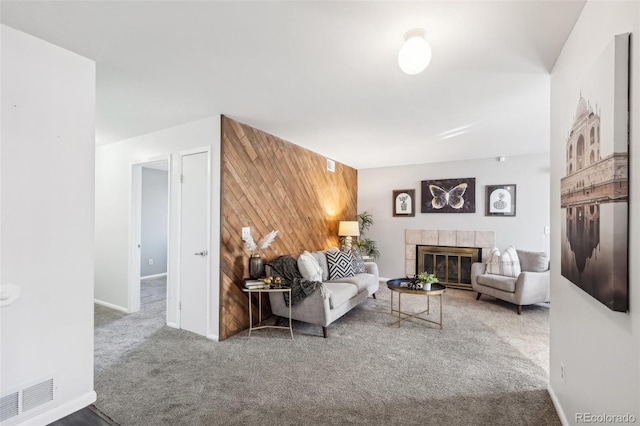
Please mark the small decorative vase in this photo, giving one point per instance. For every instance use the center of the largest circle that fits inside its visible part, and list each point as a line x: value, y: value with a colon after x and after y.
x: 256, y: 267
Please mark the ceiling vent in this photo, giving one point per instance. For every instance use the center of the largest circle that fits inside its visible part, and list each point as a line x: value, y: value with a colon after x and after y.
x: 331, y: 165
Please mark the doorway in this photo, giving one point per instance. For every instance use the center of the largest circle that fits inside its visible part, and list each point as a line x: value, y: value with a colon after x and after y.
x: 149, y: 266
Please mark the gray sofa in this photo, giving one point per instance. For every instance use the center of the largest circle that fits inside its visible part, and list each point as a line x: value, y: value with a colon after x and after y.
x: 344, y: 294
x: 530, y: 287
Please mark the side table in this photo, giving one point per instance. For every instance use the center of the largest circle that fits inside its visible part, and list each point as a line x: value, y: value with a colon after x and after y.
x: 266, y: 290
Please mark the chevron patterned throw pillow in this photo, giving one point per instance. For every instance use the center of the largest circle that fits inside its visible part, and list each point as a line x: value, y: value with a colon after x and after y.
x: 340, y: 264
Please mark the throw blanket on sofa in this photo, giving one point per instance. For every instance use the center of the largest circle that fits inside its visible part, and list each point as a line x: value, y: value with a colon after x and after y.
x: 287, y: 268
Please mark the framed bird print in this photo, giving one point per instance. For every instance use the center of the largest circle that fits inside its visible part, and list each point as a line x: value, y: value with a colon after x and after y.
x: 500, y: 200
x: 449, y: 196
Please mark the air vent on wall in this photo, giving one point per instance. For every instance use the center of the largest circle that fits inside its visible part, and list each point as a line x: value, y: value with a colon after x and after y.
x: 331, y: 165
x: 9, y: 406
x: 34, y: 395
x: 37, y: 395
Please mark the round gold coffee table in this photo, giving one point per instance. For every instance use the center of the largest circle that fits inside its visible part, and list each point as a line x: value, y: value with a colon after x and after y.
x: 399, y: 285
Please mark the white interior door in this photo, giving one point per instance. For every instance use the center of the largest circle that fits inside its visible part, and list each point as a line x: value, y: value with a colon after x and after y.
x: 194, y: 242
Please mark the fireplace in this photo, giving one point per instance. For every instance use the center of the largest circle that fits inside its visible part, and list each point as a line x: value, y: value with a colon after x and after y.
x: 451, y: 253
x: 452, y: 265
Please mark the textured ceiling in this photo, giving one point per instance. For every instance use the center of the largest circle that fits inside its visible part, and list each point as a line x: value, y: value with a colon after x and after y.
x: 323, y: 75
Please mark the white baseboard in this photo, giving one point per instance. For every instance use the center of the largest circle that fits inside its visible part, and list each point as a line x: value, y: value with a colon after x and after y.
x: 111, y: 306
x: 150, y: 277
x: 208, y: 336
x: 556, y: 404
x: 61, y: 411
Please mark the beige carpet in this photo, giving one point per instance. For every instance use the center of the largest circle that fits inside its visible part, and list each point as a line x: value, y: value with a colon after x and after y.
x: 488, y: 366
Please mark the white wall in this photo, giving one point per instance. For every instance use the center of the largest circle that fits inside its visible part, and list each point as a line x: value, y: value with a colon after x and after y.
x: 529, y: 173
x: 599, y: 348
x: 113, y: 209
x: 47, y: 173
x: 153, y: 229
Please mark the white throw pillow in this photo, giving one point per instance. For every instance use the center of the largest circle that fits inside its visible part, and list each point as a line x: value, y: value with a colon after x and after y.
x: 309, y: 267
x: 493, y: 263
x: 506, y: 264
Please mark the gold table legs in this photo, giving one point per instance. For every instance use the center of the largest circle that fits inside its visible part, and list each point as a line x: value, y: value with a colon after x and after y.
x: 408, y: 315
x: 260, y: 325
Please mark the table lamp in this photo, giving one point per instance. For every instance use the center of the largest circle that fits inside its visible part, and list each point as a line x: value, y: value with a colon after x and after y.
x: 348, y: 229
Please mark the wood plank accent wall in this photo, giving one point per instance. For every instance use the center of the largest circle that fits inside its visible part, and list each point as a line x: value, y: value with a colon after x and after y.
x: 268, y: 183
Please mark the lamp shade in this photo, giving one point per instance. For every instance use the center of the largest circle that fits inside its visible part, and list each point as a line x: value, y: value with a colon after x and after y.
x: 349, y: 228
x: 415, y: 53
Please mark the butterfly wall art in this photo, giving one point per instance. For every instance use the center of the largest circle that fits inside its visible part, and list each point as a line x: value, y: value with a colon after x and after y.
x: 449, y: 196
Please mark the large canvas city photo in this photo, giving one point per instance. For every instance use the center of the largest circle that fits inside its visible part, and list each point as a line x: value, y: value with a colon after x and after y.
x: 595, y: 191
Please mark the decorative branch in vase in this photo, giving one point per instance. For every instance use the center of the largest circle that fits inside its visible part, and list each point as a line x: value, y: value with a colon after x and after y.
x: 256, y: 267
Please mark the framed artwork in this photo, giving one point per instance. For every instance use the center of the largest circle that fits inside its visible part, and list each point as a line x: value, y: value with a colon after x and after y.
x: 500, y: 200
x: 594, y: 193
x: 449, y: 196
x: 404, y: 202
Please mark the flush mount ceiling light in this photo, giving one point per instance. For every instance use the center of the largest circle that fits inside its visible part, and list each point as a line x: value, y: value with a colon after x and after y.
x: 415, y: 53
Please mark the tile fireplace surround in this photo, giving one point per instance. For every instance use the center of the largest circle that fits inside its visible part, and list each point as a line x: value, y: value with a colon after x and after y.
x: 415, y: 237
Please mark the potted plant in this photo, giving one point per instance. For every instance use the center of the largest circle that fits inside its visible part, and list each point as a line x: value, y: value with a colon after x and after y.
x: 426, y: 279
x: 366, y: 246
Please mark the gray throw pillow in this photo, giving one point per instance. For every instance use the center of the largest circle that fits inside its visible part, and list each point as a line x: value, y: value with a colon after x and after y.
x: 532, y: 261
x: 358, y: 261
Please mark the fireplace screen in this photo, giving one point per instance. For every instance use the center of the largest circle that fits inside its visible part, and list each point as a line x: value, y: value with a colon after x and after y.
x: 452, y: 265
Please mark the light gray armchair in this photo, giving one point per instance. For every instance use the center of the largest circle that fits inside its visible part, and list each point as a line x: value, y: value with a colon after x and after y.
x: 530, y: 287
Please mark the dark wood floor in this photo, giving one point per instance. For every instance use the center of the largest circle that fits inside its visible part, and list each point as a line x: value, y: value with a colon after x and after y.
x: 89, y: 416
